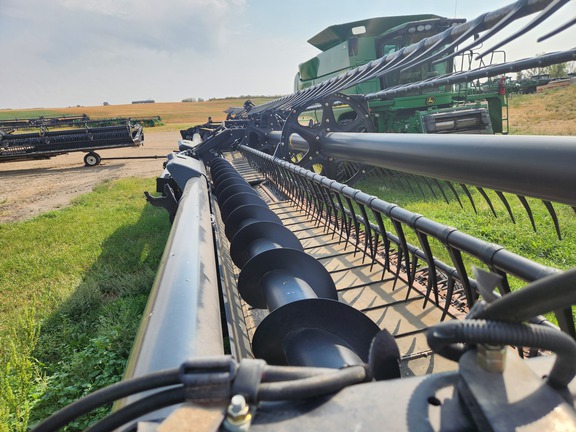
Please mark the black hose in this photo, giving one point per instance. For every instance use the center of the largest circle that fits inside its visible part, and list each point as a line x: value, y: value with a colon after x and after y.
x: 443, y: 338
x: 139, y: 408
x: 544, y: 295
x: 286, y: 373
x: 312, y: 386
x: 288, y: 383
x: 107, y: 395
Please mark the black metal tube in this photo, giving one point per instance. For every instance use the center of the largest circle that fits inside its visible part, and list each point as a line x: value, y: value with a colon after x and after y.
x: 535, y: 166
x: 314, y: 347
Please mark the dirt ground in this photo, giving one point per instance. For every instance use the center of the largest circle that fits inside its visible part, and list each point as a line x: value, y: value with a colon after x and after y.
x: 29, y: 188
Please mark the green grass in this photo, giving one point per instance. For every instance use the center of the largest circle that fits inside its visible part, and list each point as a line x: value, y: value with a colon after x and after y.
x: 24, y: 114
x: 75, y: 283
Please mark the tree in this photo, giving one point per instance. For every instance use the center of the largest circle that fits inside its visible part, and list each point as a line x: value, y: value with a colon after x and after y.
x: 559, y: 70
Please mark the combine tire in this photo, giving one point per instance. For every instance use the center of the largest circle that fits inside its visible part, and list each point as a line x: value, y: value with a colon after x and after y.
x: 92, y: 159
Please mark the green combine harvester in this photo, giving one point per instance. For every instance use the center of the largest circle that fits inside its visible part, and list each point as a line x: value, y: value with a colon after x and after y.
x: 464, y: 108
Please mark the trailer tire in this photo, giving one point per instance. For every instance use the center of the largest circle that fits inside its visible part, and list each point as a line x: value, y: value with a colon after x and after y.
x: 92, y: 159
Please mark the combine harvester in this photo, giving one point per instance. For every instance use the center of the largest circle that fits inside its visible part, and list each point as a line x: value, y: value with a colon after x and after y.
x: 336, y: 310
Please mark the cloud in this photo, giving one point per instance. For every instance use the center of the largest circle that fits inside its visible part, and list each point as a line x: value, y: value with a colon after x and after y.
x: 70, y: 49
x: 69, y: 27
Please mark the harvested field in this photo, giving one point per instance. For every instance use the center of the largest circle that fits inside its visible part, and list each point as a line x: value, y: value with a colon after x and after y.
x: 190, y: 113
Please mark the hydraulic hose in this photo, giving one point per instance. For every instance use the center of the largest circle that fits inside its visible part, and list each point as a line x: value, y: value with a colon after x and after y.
x: 108, y: 395
x: 313, y: 386
x: 139, y: 408
x: 445, y: 337
x: 278, y: 383
x: 285, y: 373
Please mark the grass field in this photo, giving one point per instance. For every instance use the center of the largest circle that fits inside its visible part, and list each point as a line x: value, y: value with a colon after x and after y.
x: 552, y: 112
x: 75, y: 282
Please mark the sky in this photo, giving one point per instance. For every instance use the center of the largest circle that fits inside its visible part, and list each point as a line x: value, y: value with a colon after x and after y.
x: 58, y: 53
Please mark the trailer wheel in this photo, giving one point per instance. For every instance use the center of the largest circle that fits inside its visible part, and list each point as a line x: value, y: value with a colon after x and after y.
x: 92, y: 159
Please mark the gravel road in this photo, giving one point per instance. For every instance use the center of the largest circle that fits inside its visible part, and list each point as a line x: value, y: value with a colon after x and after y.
x: 29, y: 188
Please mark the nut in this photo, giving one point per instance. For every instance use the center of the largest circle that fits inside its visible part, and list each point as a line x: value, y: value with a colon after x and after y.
x: 492, y: 358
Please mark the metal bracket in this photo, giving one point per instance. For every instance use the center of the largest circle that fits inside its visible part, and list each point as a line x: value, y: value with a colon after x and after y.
x: 340, y: 113
x: 512, y: 400
x: 168, y: 201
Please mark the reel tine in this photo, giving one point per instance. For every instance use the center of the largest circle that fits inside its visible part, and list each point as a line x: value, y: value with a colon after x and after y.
x: 487, y: 198
x: 554, y: 216
x: 441, y: 190
x: 416, y: 180
x: 558, y: 30
x: 469, y: 195
x: 425, y: 57
x: 455, y: 193
x: 512, y: 15
x: 524, y: 202
x: 506, y: 204
x: 432, y: 189
x: 546, y: 13
x: 478, y: 25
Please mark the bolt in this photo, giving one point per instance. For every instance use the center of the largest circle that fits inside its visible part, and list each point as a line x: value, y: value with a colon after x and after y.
x: 492, y: 358
x: 327, y: 129
x: 238, y: 406
x: 317, y: 138
x: 238, y: 417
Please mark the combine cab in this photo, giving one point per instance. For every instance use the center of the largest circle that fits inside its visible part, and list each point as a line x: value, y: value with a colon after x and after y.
x: 449, y: 109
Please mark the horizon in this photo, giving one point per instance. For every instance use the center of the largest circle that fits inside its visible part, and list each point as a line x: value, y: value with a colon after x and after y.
x: 241, y: 97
